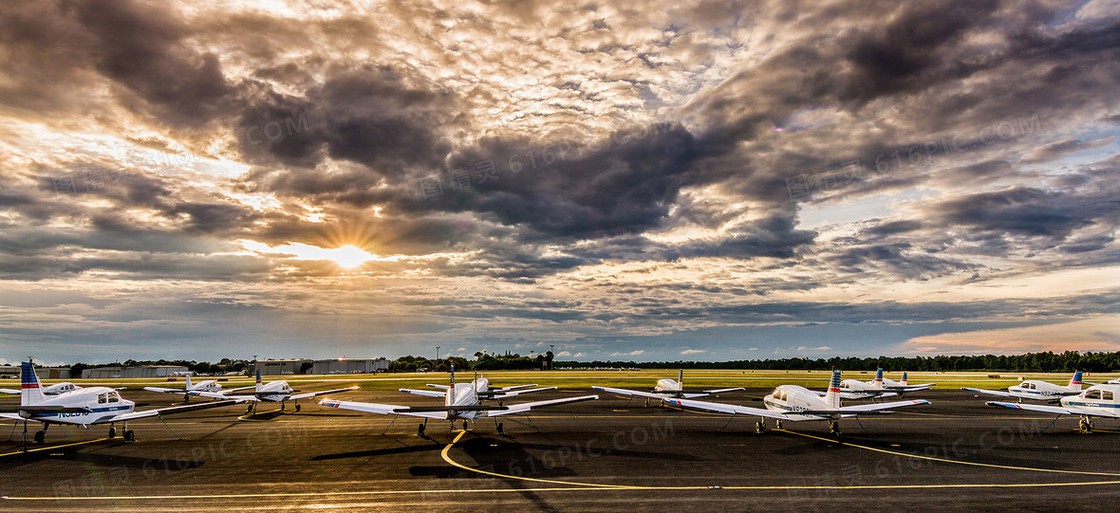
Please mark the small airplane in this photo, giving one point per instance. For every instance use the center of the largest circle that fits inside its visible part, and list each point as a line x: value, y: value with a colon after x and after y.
x: 667, y: 387
x: 1095, y: 401
x: 208, y: 385
x: 1037, y: 390
x: 83, y: 407
x: 273, y: 392
x: 461, y: 402
x: 55, y: 389
x: 879, y: 387
x: 796, y: 403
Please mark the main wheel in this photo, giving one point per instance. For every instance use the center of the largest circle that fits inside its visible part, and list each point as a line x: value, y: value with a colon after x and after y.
x: 297, y: 407
x: 759, y: 427
x: 112, y: 432
x: 420, y: 430
x: 500, y: 432
x: 129, y: 436
x: 39, y: 437
x: 778, y: 424
x: 834, y: 428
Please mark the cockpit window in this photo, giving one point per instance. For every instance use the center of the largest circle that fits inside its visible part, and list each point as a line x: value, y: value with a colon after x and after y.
x: 1093, y: 394
x: 114, y: 397
x: 1106, y: 395
x: 101, y: 399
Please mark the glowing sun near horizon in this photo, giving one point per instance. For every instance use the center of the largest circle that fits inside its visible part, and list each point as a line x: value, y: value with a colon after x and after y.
x: 346, y: 256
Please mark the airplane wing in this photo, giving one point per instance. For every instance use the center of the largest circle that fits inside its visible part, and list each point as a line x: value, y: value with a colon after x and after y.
x: 999, y: 393
x: 730, y: 409
x: 722, y: 390
x: 10, y: 391
x: 525, y: 407
x: 166, y: 390
x: 873, y: 407
x: 383, y: 409
x: 518, y: 387
x: 220, y: 395
x: 15, y: 408
x: 167, y: 411
x: 623, y: 391
x: 909, y: 388
x: 515, y: 393
x: 441, y: 387
x: 425, y: 393
x: 238, y: 389
x: 1058, y: 410
x: 305, y: 395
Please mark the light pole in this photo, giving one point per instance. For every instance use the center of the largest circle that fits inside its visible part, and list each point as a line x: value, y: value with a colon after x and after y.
x: 437, y: 353
x: 551, y: 350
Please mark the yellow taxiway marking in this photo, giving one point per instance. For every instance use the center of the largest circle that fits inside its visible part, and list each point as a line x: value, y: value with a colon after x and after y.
x: 53, y: 447
x: 957, y: 462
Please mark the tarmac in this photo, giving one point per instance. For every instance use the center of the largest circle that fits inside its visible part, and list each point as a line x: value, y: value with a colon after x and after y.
x: 607, y: 455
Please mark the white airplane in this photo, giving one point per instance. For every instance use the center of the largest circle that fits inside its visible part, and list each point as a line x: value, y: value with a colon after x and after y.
x: 667, y: 387
x: 83, y: 407
x: 1095, y: 401
x: 461, y: 402
x: 273, y: 392
x: 208, y: 385
x: 879, y: 387
x: 796, y: 403
x: 1037, y: 390
x: 55, y: 389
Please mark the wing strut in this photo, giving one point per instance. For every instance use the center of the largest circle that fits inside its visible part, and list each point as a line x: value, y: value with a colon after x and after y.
x: 725, y: 423
x: 160, y: 417
x: 1055, y: 421
x: 390, y: 424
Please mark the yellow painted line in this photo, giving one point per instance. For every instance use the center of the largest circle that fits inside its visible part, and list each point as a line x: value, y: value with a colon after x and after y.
x: 53, y: 447
x: 600, y: 486
x: 956, y: 462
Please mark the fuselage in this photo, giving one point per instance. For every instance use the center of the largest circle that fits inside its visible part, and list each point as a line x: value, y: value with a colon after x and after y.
x: 1039, y: 389
x: 464, y: 394
x: 790, y: 399
x: 1096, y: 397
x: 206, y: 386
x: 103, y: 402
x: 668, y: 385
x: 274, y: 391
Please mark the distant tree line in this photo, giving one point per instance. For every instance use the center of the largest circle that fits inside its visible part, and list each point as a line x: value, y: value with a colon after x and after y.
x: 482, y: 361
x: 1030, y: 362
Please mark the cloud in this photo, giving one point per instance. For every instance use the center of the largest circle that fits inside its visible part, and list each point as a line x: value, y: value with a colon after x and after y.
x: 1100, y: 333
x: 687, y: 352
x: 817, y: 349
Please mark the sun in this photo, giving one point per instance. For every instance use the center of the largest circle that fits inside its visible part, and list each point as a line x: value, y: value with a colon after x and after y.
x: 348, y: 256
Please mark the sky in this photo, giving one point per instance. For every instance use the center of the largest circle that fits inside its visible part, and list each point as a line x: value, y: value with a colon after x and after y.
x: 639, y: 180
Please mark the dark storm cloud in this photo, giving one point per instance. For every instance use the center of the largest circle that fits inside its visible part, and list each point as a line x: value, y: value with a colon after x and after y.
x: 1018, y: 210
x: 139, y: 47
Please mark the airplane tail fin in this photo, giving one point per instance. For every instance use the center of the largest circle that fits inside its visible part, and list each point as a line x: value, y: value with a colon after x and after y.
x: 188, y: 382
x: 903, y: 382
x: 879, y: 378
x: 453, y: 374
x: 258, y: 389
x: 30, y: 390
x: 680, y: 378
x: 832, y: 397
x: 1075, y: 382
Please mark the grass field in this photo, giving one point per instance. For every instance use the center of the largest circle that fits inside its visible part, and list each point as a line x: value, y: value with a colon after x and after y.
x: 639, y: 379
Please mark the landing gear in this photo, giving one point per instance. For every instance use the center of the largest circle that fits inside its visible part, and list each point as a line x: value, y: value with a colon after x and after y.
x: 759, y: 427
x: 112, y: 432
x: 249, y: 409
x: 778, y: 424
x: 834, y: 428
x: 282, y: 403
x: 420, y: 430
x: 129, y: 436
x: 40, y: 436
x: 1086, y: 425
x: 297, y: 407
x: 500, y: 431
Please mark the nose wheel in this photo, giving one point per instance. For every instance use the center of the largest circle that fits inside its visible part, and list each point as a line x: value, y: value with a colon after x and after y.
x: 834, y: 428
x: 1086, y: 425
x: 40, y: 436
x: 759, y: 427
x: 112, y: 432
